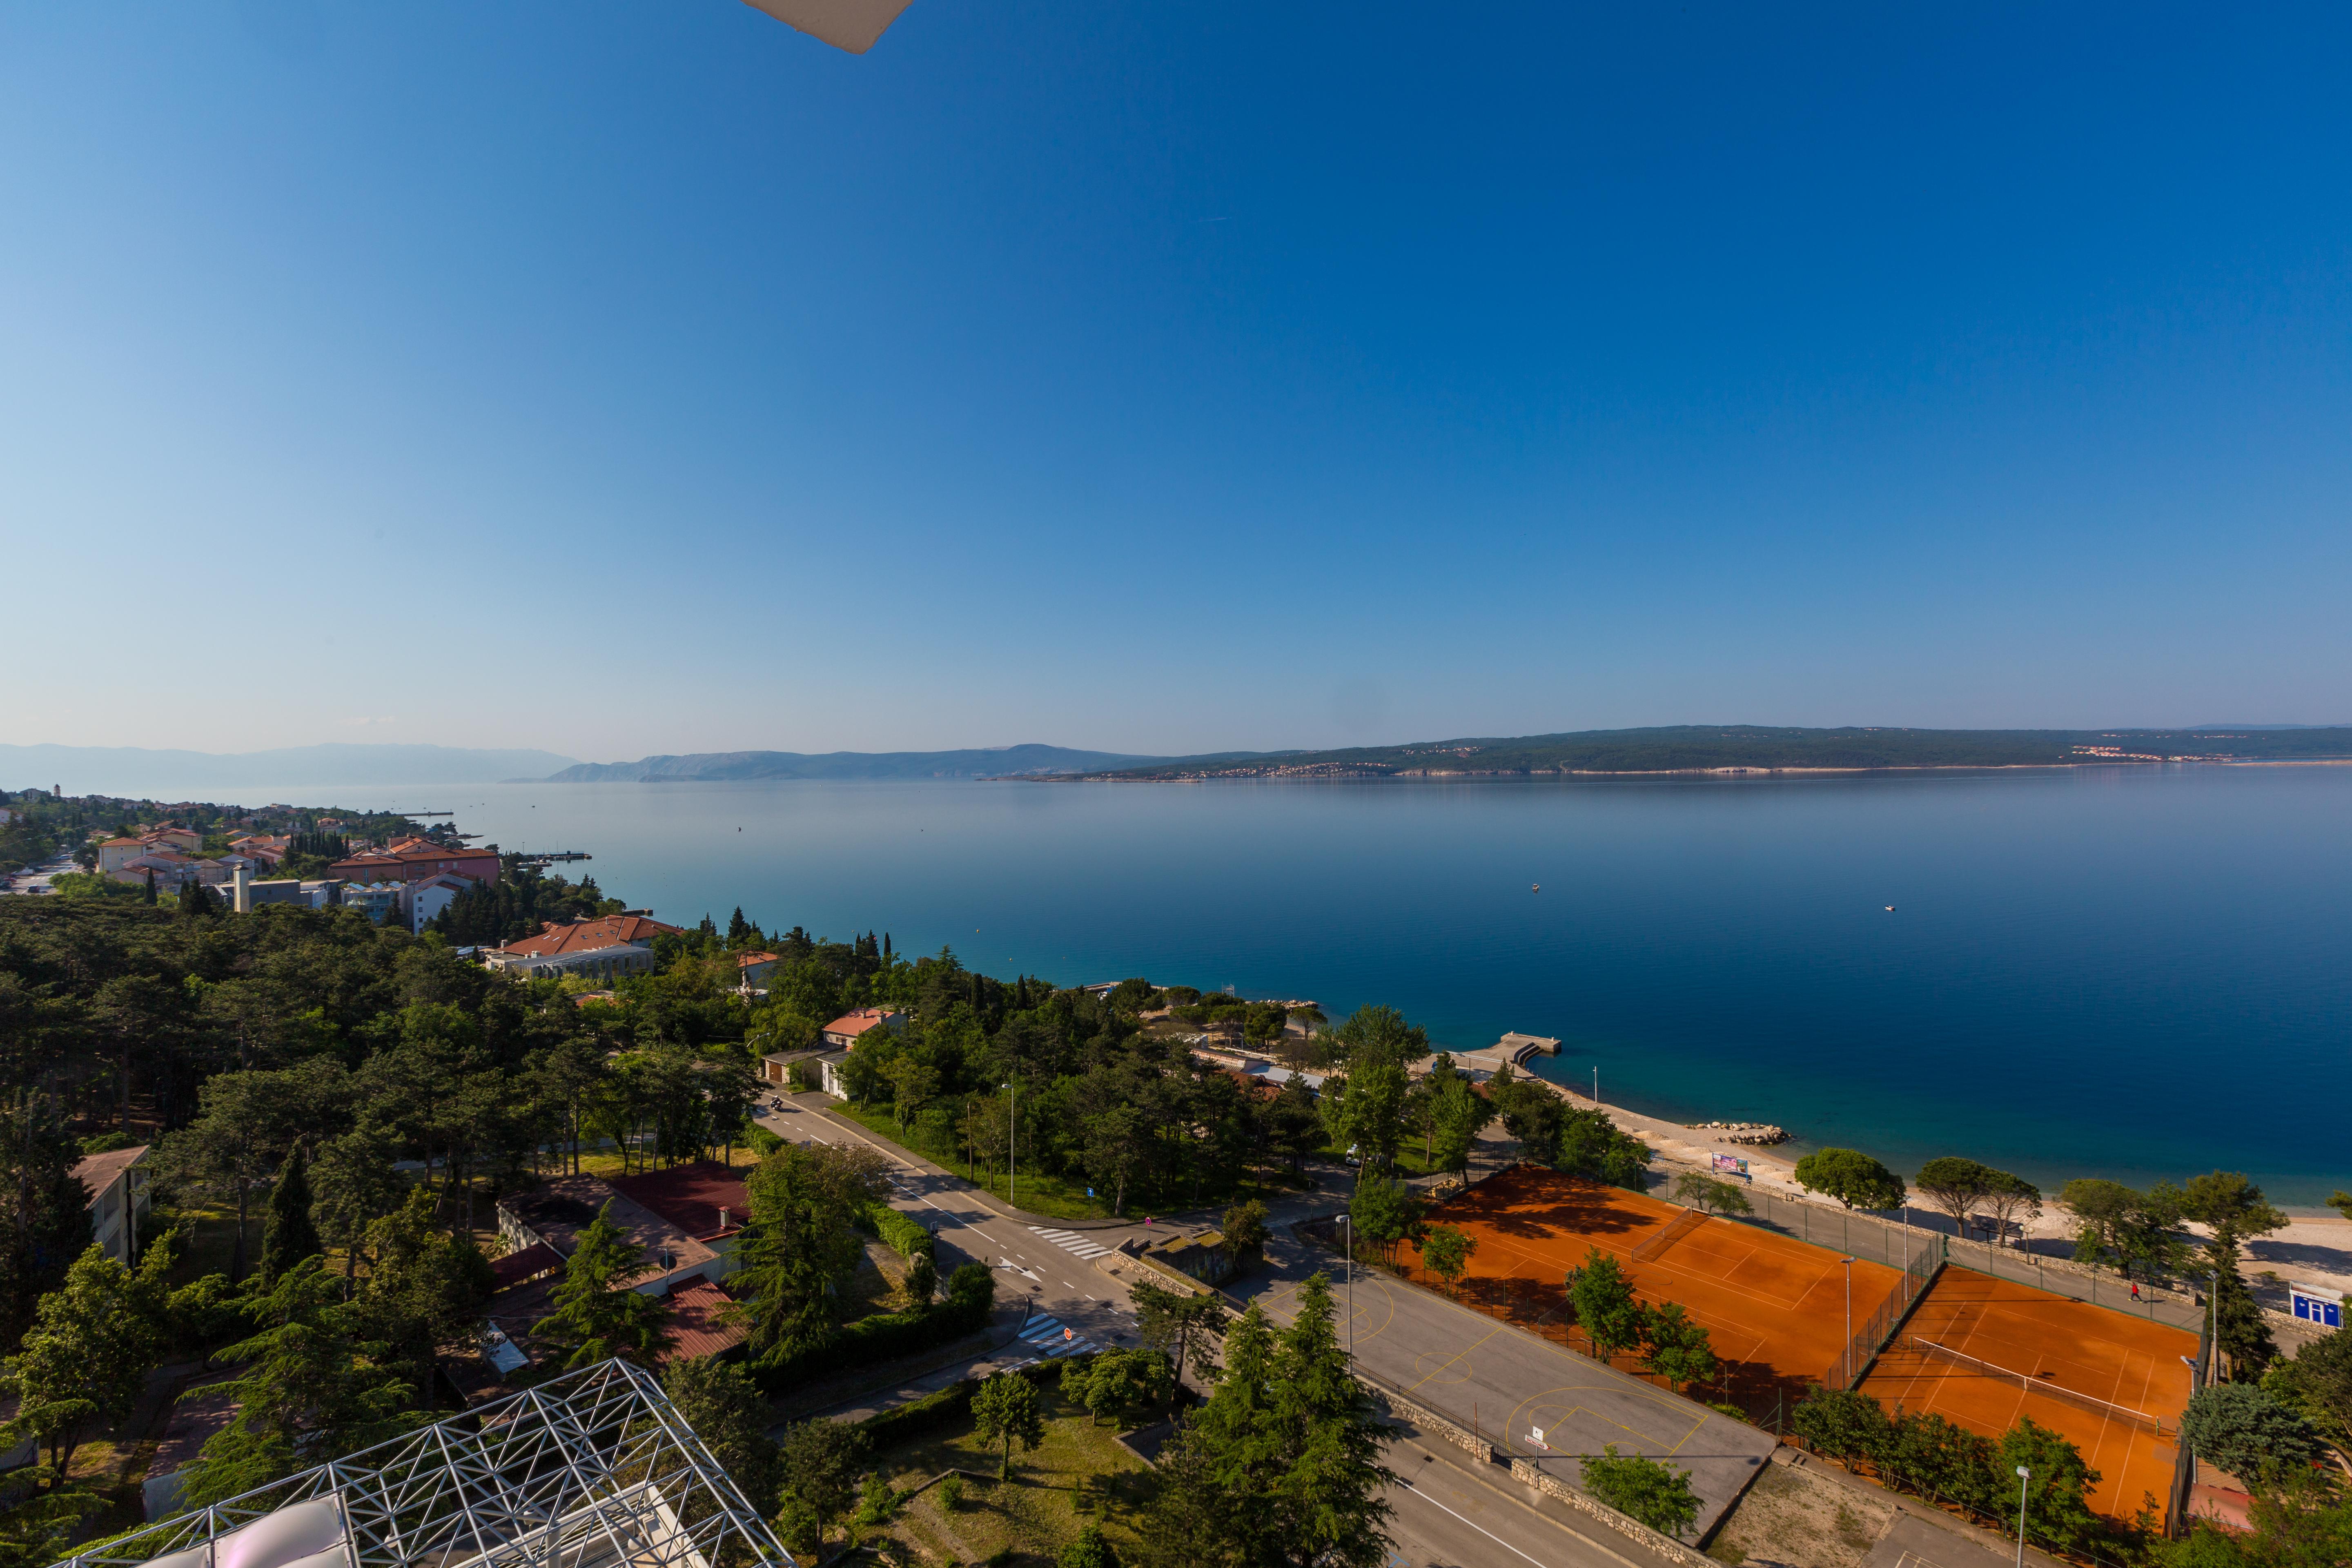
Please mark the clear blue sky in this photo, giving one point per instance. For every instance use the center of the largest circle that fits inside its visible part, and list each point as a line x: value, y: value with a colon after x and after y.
x: 647, y: 378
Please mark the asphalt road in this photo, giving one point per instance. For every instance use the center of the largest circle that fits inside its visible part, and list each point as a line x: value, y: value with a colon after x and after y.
x: 1507, y: 1384
x: 1450, y: 1512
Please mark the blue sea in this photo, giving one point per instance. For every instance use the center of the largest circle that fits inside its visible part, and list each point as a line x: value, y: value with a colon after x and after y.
x: 2133, y: 972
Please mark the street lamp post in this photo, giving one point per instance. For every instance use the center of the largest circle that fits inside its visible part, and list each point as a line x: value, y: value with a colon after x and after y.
x: 2021, y: 1474
x: 1349, y: 1221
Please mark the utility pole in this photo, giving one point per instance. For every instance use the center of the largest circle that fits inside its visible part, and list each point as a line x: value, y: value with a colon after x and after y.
x: 1011, y: 1122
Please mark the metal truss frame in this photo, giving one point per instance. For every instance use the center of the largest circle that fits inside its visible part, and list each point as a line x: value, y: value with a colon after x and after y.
x: 592, y: 1469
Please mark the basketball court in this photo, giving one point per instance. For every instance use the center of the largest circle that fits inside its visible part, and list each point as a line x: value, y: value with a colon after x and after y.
x: 1775, y: 1309
x: 1981, y: 1352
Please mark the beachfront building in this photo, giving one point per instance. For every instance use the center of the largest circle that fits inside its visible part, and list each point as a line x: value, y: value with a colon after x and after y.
x: 414, y: 859
x: 606, y: 948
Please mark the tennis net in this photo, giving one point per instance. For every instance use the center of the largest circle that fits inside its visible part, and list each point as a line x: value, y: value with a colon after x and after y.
x: 1683, y: 1224
x: 2042, y: 1385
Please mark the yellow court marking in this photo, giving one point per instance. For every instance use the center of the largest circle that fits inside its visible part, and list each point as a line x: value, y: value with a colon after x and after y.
x: 1546, y: 1402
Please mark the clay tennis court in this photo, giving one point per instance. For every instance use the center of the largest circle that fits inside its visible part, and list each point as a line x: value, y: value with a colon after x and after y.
x: 2104, y: 1380
x: 1774, y: 1308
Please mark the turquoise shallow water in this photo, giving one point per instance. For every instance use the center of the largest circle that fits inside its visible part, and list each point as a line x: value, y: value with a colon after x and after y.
x: 2131, y: 973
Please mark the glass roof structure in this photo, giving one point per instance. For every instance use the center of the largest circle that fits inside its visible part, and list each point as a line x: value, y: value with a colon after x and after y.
x: 592, y: 1469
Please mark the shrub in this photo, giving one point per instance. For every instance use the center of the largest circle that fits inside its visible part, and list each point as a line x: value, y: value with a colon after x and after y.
x: 1656, y: 1494
x: 950, y: 1493
x: 885, y: 1336
x: 901, y: 1235
x: 920, y: 1418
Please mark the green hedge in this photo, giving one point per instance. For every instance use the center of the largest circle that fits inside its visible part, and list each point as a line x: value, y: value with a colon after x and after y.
x: 921, y: 1418
x: 887, y: 1336
x: 903, y: 1236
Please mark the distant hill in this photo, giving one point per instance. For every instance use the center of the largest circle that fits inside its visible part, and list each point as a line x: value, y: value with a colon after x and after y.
x: 137, y: 771
x: 1693, y: 748
x: 987, y: 762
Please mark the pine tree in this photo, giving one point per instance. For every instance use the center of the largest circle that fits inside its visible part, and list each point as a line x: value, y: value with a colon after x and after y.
x: 738, y: 930
x: 596, y: 1316
x: 289, y: 1236
x: 151, y: 884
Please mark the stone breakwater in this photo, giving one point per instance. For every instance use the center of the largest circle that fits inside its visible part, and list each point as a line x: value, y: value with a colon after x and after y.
x: 1763, y: 1134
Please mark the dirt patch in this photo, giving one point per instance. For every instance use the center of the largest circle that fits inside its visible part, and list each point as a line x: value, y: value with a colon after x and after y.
x: 1792, y: 1518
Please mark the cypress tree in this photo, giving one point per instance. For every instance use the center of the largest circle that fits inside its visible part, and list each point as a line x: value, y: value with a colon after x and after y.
x: 289, y: 1236
x: 151, y: 884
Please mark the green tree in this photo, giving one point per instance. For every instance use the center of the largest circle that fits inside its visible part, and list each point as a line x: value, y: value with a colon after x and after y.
x: 244, y: 1122
x: 1446, y: 1251
x: 1843, y: 1423
x: 818, y: 1461
x: 1676, y: 1348
x: 1113, y: 1383
x: 2246, y: 1431
x: 1642, y: 1488
x: 1383, y: 1032
x: 424, y: 1292
x: 2317, y: 1383
x: 352, y: 1186
x: 1365, y: 1110
x: 1589, y: 1144
x: 312, y: 1389
x: 922, y: 1281
x: 1957, y: 1185
x: 44, y: 1212
x: 288, y: 1237
x: 1088, y: 1551
x: 1383, y: 1212
x: 1532, y: 1113
x: 1244, y: 1227
x: 1326, y: 1481
x: 2058, y: 1487
x: 1708, y: 1195
x: 1005, y: 1411
x: 2119, y: 1226
x: 2231, y: 1204
x: 720, y: 1401
x: 2238, y: 1325
x: 1117, y: 1148
x: 1172, y: 1321
x: 1601, y: 1292
x: 597, y: 1317
x: 1852, y: 1177
x: 2009, y: 1199
x: 93, y: 1342
x: 1458, y: 1113
x: 801, y: 1236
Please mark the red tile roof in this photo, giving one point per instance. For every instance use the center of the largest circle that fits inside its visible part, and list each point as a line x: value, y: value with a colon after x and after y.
x: 746, y: 959
x: 587, y: 936
x: 856, y: 1023
x: 694, y: 1326
x: 689, y: 1197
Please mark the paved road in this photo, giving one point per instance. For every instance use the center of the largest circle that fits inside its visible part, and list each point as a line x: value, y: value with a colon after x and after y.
x: 1480, y: 1373
x: 35, y: 879
x: 1450, y: 1512
x: 1074, y: 1305
x: 1453, y: 1512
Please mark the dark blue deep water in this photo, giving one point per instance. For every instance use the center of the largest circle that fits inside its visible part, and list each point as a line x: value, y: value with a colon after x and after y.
x: 2130, y: 973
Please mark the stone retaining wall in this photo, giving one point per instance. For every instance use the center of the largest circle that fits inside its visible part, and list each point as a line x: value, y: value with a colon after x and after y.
x: 1664, y: 1546
x: 1430, y: 1421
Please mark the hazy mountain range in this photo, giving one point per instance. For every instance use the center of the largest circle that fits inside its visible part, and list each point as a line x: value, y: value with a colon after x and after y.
x: 137, y: 771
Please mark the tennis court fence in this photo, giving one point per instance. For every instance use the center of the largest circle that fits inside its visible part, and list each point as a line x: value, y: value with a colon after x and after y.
x: 1919, y: 1273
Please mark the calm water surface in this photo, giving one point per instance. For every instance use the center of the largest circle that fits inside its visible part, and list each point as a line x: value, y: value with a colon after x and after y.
x: 2132, y: 972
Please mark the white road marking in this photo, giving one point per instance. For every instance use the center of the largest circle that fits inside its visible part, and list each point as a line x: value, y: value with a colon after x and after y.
x: 1480, y: 1529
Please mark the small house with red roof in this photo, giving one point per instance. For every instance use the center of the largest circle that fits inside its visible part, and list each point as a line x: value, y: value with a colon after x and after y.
x: 604, y: 947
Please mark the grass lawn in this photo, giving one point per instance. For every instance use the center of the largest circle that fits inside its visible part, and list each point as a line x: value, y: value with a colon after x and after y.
x: 1042, y: 1195
x: 208, y: 1238
x: 1035, y: 1514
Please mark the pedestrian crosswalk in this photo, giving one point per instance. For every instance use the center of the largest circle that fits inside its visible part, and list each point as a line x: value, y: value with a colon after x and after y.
x: 1050, y: 1337
x: 1071, y: 1241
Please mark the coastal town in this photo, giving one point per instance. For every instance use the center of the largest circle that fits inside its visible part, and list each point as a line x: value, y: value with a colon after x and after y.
x: 1040, y: 1179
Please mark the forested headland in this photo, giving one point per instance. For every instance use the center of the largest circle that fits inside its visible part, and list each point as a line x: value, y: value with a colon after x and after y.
x: 1693, y: 748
